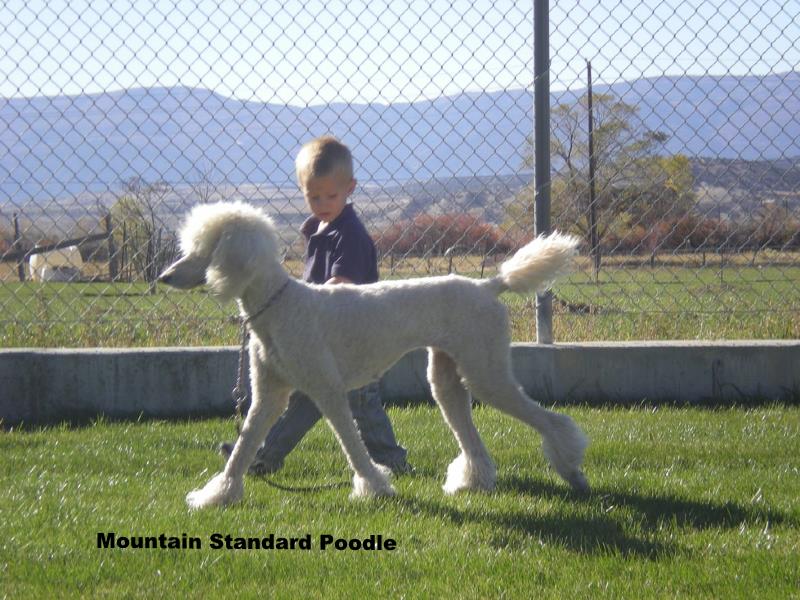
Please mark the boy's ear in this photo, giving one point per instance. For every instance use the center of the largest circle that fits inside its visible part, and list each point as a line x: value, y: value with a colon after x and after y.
x: 352, y: 186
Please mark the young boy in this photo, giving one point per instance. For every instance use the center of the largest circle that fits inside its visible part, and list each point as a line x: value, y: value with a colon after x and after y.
x: 339, y: 250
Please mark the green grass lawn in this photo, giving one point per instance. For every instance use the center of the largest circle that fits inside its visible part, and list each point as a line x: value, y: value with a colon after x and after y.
x: 109, y: 315
x: 686, y: 503
x: 629, y: 304
x: 739, y: 302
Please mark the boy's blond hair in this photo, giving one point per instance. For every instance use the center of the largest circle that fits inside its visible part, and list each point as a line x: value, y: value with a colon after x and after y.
x: 321, y: 157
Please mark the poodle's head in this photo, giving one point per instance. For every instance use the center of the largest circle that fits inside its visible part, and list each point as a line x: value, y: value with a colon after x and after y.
x: 224, y: 245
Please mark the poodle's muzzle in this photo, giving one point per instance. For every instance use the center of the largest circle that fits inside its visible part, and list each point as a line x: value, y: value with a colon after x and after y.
x: 186, y: 273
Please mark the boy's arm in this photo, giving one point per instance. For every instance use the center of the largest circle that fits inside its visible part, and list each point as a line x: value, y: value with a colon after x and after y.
x: 353, y: 258
x: 338, y: 279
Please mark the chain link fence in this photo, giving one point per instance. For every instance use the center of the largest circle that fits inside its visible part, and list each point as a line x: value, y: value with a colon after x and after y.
x: 675, y: 153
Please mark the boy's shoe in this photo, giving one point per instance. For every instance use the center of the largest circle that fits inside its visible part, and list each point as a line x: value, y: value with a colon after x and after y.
x: 401, y: 468
x: 226, y: 449
x: 260, y: 466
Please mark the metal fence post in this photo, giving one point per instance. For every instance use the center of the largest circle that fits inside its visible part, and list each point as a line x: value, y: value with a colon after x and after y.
x: 541, y: 140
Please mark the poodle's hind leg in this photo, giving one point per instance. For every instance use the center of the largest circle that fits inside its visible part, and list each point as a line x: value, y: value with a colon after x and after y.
x: 563, y: 442
x: 369, y: 478
x: 473, y: 469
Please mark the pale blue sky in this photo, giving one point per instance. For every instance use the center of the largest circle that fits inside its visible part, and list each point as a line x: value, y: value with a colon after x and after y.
x: 314, y: 52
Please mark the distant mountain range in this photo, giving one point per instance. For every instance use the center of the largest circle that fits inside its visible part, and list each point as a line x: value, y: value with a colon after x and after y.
x: 62, y: 146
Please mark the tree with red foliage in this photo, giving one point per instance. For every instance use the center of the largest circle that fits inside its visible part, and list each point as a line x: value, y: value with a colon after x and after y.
x: 433, y: 235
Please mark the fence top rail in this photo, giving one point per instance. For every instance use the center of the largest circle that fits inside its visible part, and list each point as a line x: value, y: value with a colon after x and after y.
x: 12, y: 256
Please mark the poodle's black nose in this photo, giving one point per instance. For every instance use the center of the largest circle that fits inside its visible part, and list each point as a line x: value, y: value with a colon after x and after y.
x: 165, y: 277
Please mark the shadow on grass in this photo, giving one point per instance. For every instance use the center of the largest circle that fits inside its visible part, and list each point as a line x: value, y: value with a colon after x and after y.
x: 518, y: 530
x: 598, y: 523
x: 598, y: 533
x: 655, y: 509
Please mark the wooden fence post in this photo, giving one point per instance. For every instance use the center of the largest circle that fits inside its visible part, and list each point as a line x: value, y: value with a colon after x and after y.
x: 113, y: 268
x: 125, y: 267
x: 18, y: 248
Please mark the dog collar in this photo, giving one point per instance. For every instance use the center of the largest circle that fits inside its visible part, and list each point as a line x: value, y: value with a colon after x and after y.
x: 272, y: 299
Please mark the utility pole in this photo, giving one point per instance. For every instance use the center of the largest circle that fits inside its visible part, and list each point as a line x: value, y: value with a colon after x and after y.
x: 594, y: 247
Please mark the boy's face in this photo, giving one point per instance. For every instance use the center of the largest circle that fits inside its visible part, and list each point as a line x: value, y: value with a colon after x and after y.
x: 326, y: 196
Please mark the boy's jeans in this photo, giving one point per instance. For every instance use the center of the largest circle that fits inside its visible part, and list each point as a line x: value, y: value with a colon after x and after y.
x: 302, y: 414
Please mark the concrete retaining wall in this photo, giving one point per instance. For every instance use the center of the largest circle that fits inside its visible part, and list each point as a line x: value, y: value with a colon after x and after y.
x: 46, y: 386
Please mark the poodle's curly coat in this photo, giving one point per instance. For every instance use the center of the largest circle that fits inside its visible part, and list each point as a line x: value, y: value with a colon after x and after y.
x: 326, y: 340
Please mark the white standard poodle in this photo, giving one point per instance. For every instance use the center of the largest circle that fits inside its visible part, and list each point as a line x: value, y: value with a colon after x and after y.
x: 326, y: 340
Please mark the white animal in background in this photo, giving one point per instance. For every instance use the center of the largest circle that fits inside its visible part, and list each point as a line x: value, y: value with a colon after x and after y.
x: 326, y: 340
x: 64, y: 264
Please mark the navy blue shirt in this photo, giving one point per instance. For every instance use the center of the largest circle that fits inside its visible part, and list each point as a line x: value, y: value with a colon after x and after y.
x: 342, y: 249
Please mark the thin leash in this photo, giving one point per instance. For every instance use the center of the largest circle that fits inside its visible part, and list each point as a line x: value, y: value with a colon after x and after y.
x: 238, y: 393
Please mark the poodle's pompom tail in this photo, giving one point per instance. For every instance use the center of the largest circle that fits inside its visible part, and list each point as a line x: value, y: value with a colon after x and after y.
x: 535, y: 266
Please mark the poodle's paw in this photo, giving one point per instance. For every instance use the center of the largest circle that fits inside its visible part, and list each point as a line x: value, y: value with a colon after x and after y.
x: 377, y: 486
x: 578, y: 481
x: 219, y: 491
x: 385, y: 471
x: 564, y: 447
x: 465, y: 474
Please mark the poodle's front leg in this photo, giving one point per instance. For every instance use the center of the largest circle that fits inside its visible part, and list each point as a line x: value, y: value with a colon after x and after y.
x: 228, y: 487
x: 369, y: 479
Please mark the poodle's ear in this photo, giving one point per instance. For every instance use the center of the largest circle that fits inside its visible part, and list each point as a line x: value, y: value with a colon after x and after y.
x: 234, y: 262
